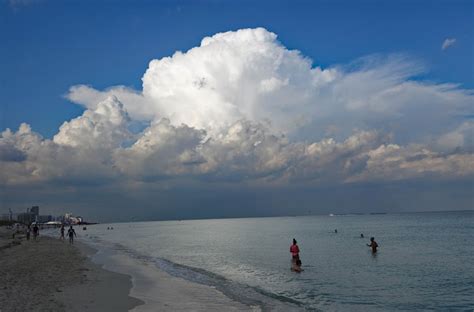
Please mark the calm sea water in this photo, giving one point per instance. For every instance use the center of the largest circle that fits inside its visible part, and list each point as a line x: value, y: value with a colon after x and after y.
x: 425, y: 260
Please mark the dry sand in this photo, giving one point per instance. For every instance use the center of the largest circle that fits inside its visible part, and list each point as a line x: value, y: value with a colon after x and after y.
x: 51, y: 275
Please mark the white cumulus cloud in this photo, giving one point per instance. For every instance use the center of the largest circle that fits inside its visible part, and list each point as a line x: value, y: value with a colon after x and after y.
x: 248, y: 74
x: 242, y: 108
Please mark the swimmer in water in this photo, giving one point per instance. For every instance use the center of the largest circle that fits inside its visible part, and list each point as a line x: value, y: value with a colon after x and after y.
x: 373, y: 244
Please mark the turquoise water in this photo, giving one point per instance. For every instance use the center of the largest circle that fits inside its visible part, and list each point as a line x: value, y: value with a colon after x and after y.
x: 425, y: 260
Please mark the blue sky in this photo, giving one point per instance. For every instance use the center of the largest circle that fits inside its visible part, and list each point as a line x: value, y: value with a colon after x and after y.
x: 108, y: 119
x: 49, y: 46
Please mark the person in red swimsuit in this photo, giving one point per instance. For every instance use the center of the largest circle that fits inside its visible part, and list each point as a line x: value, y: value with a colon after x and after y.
x: 295, y: 257
x: 295, y: 250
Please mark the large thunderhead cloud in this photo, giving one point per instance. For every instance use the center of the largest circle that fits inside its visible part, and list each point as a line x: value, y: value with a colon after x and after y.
x: 242, y: 107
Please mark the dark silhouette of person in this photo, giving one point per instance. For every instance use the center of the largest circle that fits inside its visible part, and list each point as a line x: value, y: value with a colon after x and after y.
x: 28, y: 232
x: 62, y: 232
x: 373, y: 244
x: 335, y: 231
x: 35, y: 231
x: 361, y: 235
x: 71, y: 233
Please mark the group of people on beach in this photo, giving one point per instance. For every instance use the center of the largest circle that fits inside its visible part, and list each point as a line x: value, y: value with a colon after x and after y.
x: 295, y: 253
x: 35, y: 231
x: 27, y: 231
x: 34, y: 228
x: 71, y: 233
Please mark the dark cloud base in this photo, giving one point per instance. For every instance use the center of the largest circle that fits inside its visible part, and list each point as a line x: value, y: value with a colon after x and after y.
x: 219, y: 202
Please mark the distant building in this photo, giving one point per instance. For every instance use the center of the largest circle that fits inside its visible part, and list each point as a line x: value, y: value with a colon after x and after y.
x: 26, y: 217
x: 35, y: 210
x: 32, y: 215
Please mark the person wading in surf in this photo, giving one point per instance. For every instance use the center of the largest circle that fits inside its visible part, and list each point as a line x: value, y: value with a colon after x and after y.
x: 295, y: 257
x: 373, y: 244
x: 295, y: 251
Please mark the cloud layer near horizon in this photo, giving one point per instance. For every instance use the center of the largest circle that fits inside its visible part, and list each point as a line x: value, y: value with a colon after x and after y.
x: 242, y: 108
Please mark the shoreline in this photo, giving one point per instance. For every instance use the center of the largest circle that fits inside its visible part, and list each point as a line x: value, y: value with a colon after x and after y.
x: 161, y: 291
x: 52, y: 275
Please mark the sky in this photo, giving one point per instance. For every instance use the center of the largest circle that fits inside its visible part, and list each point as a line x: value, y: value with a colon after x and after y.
x: 134, y: 110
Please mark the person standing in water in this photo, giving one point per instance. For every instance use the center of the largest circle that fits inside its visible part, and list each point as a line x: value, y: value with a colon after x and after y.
x: 71, y: 233
x: 295, y: 257
x: 295, y: 251
x: 62, y: 232
x: 373, y: 244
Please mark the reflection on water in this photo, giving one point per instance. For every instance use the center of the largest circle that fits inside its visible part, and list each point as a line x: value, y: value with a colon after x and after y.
x: 424, y: 261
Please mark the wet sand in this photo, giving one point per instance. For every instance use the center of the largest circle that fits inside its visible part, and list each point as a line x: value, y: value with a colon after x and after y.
x: 162, y: 292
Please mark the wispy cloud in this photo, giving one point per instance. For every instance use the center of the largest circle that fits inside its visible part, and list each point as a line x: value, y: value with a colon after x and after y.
x: 448, y: 42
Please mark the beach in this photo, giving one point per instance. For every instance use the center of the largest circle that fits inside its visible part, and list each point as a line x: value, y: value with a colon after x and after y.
x: 51, y: 275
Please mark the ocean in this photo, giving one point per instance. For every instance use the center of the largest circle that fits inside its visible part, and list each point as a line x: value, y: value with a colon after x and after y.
x: 425, y: 260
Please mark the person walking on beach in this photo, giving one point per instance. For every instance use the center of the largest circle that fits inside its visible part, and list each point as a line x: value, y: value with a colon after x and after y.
x: 62, y: 232
x: 35, y: 231
x: 373, y: 244
x: 28, y: 232
x: 71, y: 233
